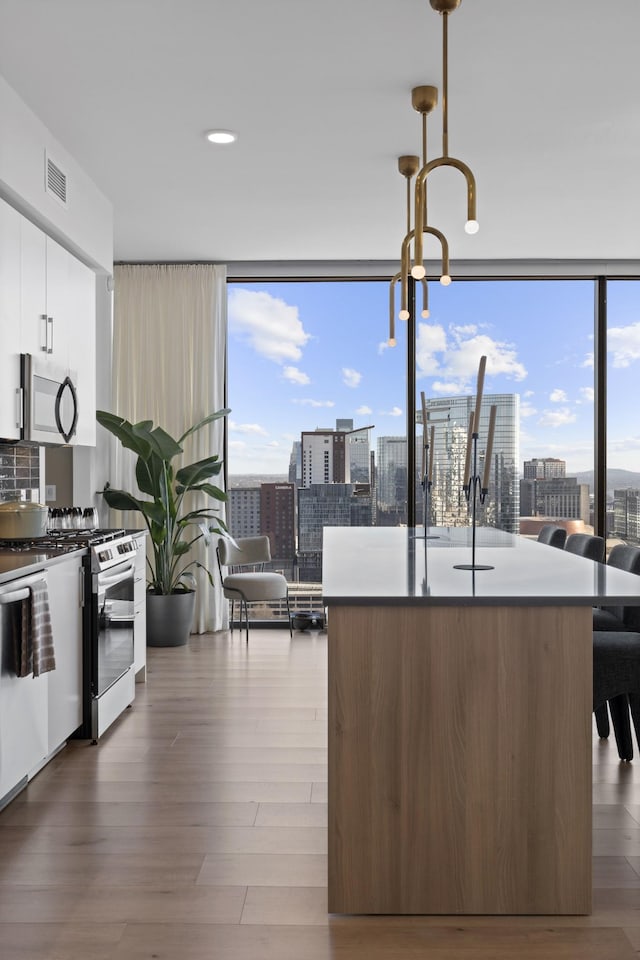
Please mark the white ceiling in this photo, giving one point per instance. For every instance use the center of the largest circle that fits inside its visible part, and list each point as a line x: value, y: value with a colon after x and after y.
x: 544, y: 107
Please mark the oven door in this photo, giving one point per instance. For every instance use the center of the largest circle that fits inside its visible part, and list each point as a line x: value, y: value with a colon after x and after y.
x: 113, y: 617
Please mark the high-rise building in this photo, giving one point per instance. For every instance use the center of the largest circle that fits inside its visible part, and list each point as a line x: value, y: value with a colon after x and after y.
x: 450, y: 417
x: 558, y: 498
x: 295, y: 464
x: 327, y: 505
x: 545, y: 468
x: 277, y: 519
x: 626, y: 512
x: 391, y: 481
x: 324, y: 458
x: 244, y: 511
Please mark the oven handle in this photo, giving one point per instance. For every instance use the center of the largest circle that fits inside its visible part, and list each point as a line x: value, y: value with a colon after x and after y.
x: 105, y: 581
x: 22, y: 592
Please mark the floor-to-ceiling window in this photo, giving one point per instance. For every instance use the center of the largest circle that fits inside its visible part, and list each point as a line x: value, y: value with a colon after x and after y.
x: 623, y: 434
x: 317, y: 433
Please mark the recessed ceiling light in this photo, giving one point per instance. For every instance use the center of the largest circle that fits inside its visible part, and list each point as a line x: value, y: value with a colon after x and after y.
x: 222, y: 136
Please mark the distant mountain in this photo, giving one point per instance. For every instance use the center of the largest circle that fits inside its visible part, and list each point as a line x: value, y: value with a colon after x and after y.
x: 616, y: 479
x: 256, y: 479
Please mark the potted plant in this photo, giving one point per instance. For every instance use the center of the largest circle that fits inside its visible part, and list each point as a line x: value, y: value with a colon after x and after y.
x: 173, y: 527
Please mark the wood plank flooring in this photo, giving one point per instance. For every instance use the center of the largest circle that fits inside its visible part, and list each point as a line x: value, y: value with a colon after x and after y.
x: 196, y: 830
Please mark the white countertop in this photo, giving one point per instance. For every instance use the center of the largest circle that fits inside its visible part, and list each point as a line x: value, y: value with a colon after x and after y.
x: 396, y: 566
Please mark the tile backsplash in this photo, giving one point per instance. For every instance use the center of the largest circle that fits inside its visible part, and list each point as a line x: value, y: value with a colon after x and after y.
x: 19, y: 472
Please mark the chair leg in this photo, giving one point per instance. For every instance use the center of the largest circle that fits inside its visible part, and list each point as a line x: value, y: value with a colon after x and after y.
x: 620, y: 717
x: 602, y: 721
x: 289, y: 618
x: 634, y: 705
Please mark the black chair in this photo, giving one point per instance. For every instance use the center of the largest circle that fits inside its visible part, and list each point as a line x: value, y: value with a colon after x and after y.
x: 616, y: 680
x: 617, y: 620
x: 552, y: 535
x: 585, y: 545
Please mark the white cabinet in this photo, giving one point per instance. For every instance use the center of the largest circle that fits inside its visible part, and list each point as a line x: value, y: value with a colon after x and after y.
x: 140, y: 608
x: 48, y: 310
x: 65, y: 682
x: 9, y: 321
x: 23, y: 711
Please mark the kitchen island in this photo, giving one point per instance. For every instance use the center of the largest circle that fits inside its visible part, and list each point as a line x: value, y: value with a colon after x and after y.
x: 460, y: 722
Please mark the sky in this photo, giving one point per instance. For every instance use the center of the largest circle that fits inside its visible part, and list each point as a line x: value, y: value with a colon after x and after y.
x: 303, y: 354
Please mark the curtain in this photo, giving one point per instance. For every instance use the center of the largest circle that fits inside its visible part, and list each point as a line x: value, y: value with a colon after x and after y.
x: 169, y: 360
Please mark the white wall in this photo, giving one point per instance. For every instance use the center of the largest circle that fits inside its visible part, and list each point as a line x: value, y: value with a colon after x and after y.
x: 85, y: 225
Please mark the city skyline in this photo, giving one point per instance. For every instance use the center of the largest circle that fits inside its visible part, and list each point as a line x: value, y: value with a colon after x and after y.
x: 302, y: 355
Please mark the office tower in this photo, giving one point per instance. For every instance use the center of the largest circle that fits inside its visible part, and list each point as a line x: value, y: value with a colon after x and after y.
x: 359, y: 460
x: 391, y: 481
x: 626, y: 513
x: 545, y: 468
x: 324, y: 457
x: 344, y: 426
x: 558, y: 498
x: 244, y: 511
x: 327, y: 505
x: 277, y: 519
x: 450, y: 417
x: 295, y: 464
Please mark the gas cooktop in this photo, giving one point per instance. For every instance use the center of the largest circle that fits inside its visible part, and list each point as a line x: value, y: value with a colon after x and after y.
x: 63, y: 541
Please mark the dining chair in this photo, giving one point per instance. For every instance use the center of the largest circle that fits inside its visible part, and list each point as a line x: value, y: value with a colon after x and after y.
x: 246, y: 579
x: 585, y: 545
x: 616, y: 681
x: 553, y: 535
x: 617, y: 620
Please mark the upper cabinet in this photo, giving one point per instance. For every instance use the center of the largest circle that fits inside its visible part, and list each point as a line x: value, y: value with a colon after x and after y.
x: 9, y: 321
x: 54, y: 316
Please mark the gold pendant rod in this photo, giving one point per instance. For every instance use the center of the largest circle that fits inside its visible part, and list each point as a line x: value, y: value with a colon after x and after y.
x: 445, y: 84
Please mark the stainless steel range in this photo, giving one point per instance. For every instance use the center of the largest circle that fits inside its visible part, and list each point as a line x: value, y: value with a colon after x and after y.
x: 109, y: 676
x: 108, y: 618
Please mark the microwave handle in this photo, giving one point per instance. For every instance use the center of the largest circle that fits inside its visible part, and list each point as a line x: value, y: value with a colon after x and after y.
x: 49, y: 326
x: 19, y: 408
x: 67, y: 382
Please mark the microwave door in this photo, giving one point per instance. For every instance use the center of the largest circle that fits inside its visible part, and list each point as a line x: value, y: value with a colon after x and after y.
x: 51, y: 405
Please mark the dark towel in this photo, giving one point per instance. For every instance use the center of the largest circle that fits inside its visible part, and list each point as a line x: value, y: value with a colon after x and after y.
x: 34, y: 637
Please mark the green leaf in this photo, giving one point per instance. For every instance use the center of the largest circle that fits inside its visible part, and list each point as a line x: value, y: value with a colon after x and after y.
x: 201, y: 470
x: 202, y: 423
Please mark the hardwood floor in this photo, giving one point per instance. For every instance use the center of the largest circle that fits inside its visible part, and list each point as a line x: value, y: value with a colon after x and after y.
x: 196, y: 830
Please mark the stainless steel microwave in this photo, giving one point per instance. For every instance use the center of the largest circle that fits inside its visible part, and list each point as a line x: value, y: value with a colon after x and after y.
x: 49, y: 402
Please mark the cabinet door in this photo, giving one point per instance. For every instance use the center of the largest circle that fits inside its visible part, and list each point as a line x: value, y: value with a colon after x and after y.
x: 140, y: 610
x: 9, y: 321
x: 23, y: 715
x: 59, y: 302
x: 82, y: 347
x: 65, y: 682
x: 35, y: 330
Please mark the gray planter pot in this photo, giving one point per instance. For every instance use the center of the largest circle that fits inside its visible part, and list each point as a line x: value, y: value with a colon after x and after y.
x: 169, y: 618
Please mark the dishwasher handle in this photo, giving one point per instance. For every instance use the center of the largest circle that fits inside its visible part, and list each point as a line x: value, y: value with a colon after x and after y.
x: 20, y: 590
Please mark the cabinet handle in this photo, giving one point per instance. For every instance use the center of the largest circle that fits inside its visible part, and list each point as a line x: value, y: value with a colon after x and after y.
x: 45, y: 348
x: 19, y: 408
x: 81, y: 572
x: 50, y: 324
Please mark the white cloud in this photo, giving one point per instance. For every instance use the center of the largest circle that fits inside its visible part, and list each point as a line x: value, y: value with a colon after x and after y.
x: 623, y: 344
x: 350, y: 377
x: 557, y: 418
x: 237, y: 445
x: 558, y: 396
x: 364, y: 411
x: 431, y: 339
x: 273, y: 443
x: 308, y: 402
x: 527, y: 410
x: 449, y: 387
x: 253, y: 428
x: 293, y: 375
x: 528, y: 393
x: 271, y: 326
x: 459, y: 357
x: 382, y: 346
x: 588, y: 361
x: 394, y: 412
x: 587, y: 394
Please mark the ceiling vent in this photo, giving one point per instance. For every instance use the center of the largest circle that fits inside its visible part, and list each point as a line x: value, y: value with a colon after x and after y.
x: 56, y: 181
